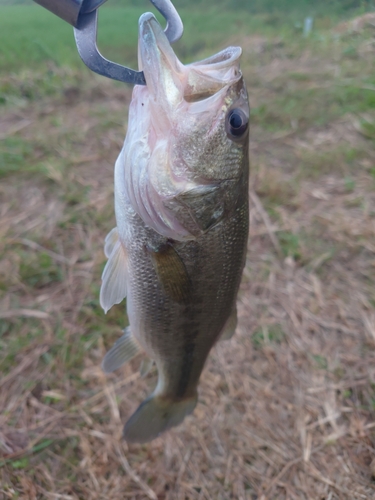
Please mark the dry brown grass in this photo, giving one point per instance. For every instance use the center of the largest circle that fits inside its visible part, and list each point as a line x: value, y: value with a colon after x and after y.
x: 286, y: 408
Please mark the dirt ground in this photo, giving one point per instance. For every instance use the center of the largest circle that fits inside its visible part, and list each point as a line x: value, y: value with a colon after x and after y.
x: 286, y: 407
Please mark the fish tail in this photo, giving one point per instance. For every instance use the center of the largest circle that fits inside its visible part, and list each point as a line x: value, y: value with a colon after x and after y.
x: 155, y: 416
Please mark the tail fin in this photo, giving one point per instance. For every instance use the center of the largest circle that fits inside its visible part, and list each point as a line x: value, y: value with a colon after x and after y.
x: 156, y: 415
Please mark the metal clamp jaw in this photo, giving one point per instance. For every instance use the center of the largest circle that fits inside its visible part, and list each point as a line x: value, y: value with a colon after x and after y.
x: 83, y: 16
x: 70, y: 10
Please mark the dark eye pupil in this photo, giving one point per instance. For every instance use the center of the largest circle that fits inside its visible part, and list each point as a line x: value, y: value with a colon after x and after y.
x: 235, y: 120
x: 237, y: 123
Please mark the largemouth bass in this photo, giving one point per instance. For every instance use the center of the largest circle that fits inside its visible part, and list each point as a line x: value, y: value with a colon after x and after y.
x: 181, y: 204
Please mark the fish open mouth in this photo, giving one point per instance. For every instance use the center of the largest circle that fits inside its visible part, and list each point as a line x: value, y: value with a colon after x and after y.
x: 165, y: 74
x: 210, y: 75
x: 223, y: 59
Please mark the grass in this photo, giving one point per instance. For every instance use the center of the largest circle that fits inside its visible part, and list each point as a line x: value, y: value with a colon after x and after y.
x: 286, y: 408
x: 43, y: 38
x: 33, y: 37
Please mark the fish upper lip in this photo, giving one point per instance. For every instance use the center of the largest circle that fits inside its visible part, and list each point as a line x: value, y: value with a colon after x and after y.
x: 223, y: 58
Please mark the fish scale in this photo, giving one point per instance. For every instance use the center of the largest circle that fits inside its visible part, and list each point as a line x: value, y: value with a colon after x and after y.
x: 167, y: 327
x: 181, y: 203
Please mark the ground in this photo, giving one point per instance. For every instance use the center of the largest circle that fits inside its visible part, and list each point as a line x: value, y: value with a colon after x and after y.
x: 287, y: 406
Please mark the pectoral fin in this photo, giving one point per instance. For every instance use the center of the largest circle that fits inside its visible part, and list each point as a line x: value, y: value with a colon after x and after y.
x: 114, y: 277
x: 172, y: 273
x: 230, y: 326
x: 124, y: 349
x: 110, y: 240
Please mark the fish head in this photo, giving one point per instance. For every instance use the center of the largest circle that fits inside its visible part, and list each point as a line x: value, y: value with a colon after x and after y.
x: 188, y: 126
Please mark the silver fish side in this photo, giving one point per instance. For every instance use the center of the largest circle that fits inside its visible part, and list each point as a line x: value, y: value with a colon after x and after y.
x: 181, y: 203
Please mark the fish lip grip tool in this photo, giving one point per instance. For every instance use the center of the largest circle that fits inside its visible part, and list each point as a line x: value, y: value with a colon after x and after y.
x: 83, y: 16
x: 70, y: 10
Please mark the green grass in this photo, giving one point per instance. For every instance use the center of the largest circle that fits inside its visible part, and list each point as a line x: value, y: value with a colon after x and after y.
x: 14, y: 153
x: 340, y: 159
x: 267, y: 335
x: 315, y: 107
x: 295, y: 91
x: 32, y: 36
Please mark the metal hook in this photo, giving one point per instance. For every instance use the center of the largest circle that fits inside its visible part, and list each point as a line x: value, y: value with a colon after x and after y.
x: 85, y: 35
x: 83, y: 15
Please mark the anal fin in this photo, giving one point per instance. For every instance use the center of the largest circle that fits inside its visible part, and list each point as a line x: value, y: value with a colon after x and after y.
x: 123, y: 350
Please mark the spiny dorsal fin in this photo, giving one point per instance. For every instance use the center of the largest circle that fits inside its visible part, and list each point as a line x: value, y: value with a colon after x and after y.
x: 124, y: 349
x: 114, y: 277
x: 172, y: 273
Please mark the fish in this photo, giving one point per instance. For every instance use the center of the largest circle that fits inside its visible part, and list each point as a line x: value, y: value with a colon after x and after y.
x: 182, y: 219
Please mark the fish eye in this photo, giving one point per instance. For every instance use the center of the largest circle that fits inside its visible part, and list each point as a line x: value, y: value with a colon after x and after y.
x: 236, y: 123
